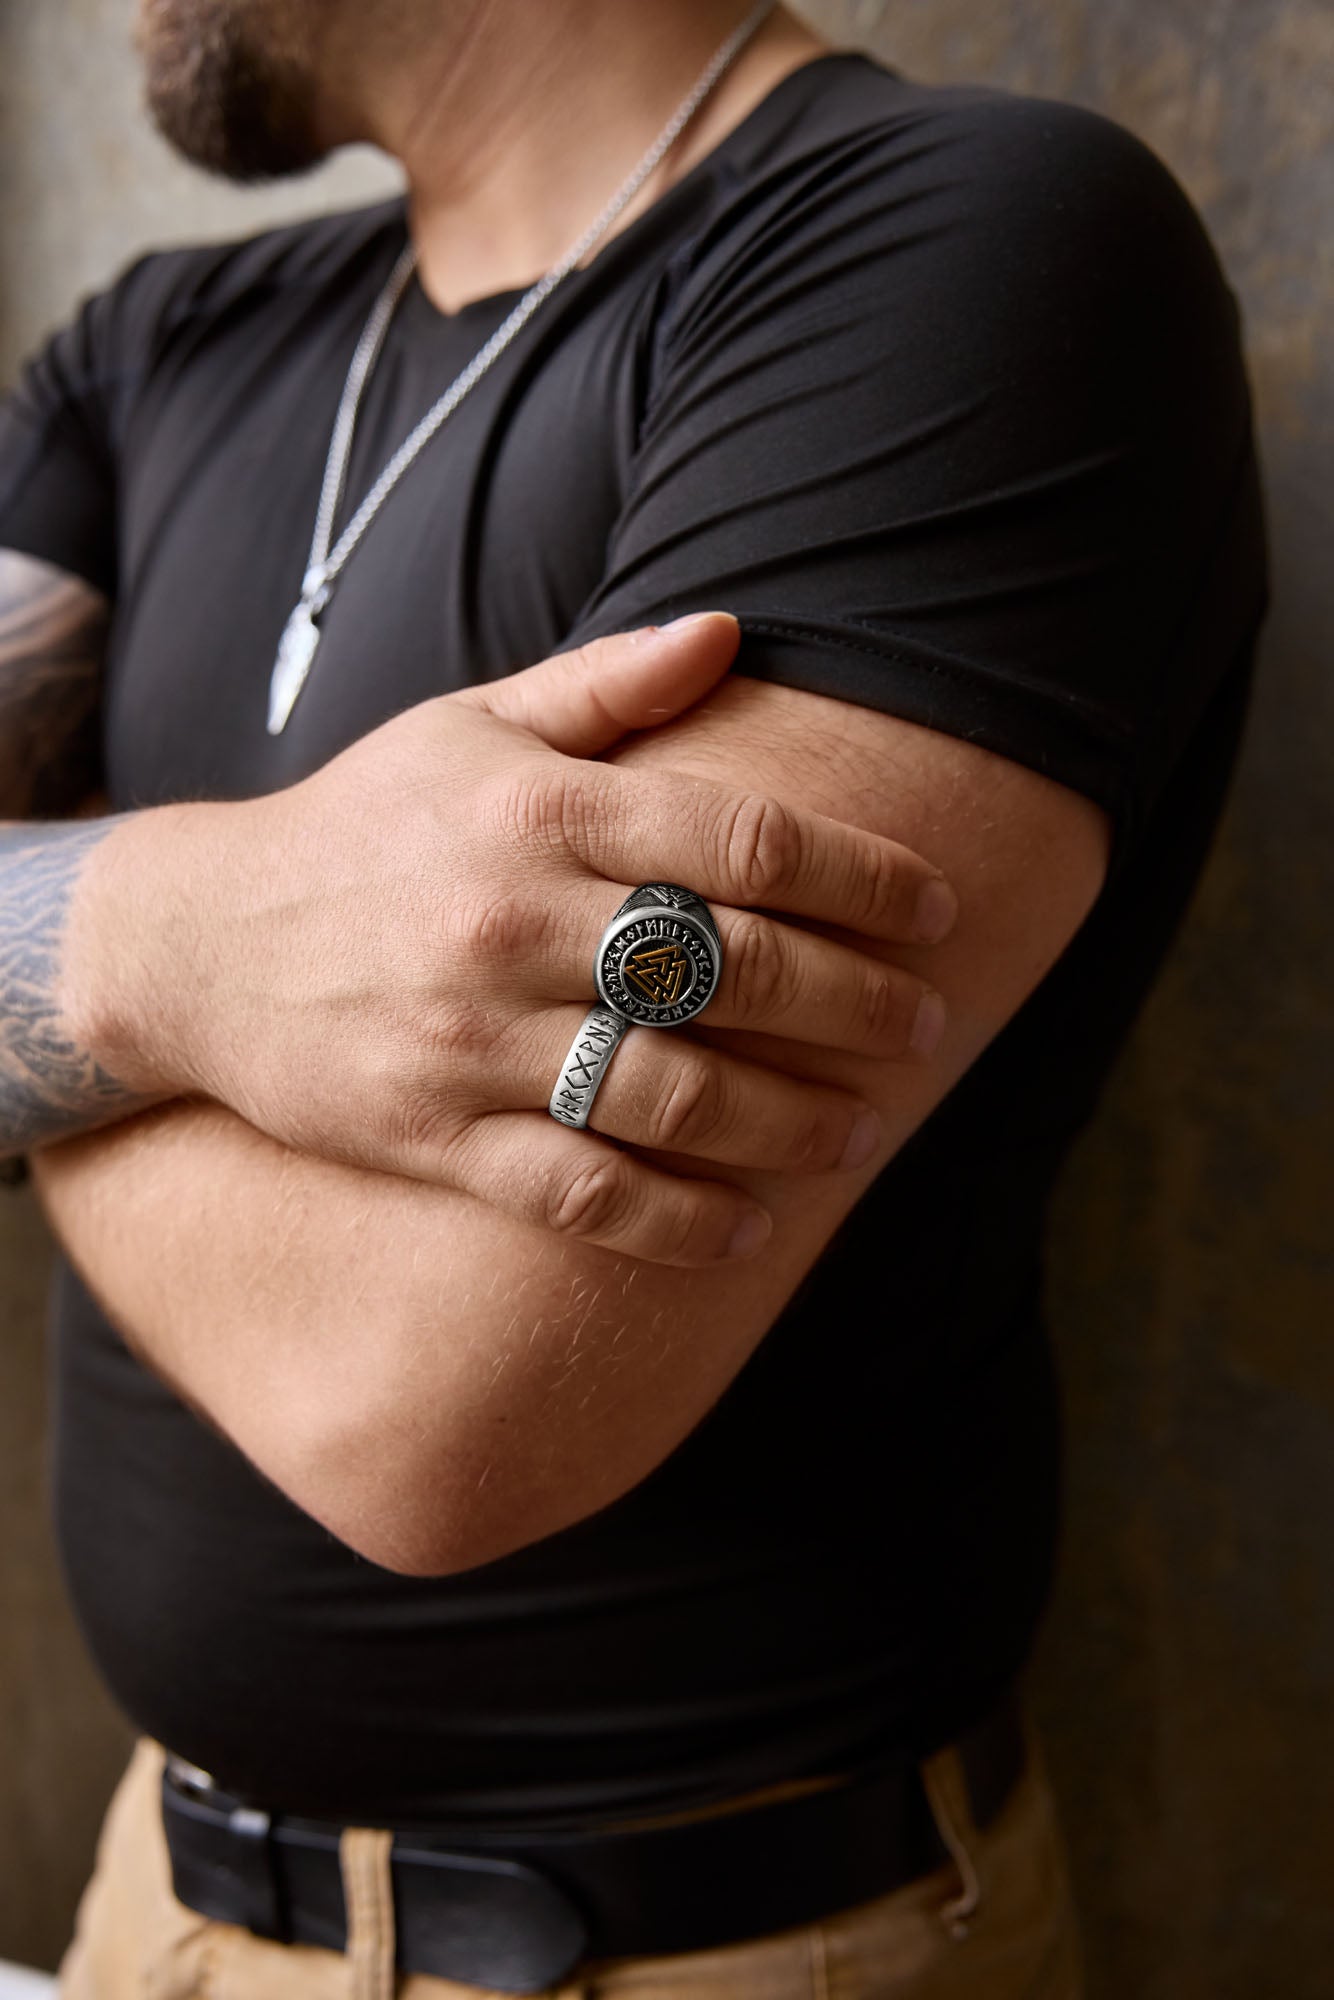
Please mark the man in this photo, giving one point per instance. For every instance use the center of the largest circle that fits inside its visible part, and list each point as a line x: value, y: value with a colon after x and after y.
x: 643, y: 1523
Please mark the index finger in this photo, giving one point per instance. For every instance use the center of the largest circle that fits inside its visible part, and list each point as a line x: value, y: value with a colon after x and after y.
x: 739, y: 847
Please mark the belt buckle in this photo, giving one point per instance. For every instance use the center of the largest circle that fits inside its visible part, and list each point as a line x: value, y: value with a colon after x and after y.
x: 245, y: 1874
x: 188, y: 1778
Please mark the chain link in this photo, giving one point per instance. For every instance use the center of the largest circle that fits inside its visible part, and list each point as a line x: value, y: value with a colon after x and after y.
x: 324, y: 564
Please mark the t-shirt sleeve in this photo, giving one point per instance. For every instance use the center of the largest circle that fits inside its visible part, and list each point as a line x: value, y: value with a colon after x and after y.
x: 956, y: 422
x: 62, y: 425
x: 70, y: 425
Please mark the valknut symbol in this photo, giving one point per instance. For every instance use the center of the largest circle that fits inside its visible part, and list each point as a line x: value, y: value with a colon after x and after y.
x: 661, y: 972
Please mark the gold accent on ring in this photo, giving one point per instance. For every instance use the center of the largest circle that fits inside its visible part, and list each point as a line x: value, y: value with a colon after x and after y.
x: 659, y: 971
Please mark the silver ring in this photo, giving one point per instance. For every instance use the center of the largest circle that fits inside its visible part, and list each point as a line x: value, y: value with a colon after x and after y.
x: 657, y: 966
x: 660, y: 957
x: 585, y: 1066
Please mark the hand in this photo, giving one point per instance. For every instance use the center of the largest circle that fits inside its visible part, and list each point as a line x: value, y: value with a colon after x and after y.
x: 386, y: 963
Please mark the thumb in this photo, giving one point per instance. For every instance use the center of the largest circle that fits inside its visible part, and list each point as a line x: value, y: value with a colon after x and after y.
x: 583, y: 701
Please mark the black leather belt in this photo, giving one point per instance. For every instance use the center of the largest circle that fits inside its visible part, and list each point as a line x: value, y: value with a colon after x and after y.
x: 518, y: 1914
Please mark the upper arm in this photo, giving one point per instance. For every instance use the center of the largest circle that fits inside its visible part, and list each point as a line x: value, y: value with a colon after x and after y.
x: 52, y: 634
x: 956, y: 422
x: 59, y: 429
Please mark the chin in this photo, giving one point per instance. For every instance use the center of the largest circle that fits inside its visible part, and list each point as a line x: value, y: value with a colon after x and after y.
x: 230, y: 84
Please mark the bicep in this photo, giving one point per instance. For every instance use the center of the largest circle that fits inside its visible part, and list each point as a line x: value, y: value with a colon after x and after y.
x: 53, y: 630
x: 967, y: 443
x: 1027, y: 857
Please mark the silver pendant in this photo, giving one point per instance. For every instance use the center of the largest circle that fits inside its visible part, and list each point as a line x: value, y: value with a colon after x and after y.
x: 296, y: 654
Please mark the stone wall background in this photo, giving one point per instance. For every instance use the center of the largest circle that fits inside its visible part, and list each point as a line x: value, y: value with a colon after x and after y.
x: 1185, y: 1678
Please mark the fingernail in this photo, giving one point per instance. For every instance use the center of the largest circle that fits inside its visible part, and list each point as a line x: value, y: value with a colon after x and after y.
x: 750, y: 1233
x: 862, y: 1140
x: 929, y: 1026
x: 937, y: 908
x: 691, y: 618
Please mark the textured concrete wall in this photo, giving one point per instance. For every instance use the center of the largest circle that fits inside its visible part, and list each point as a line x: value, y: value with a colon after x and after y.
x: 85, y: 183
x: 1186, y: 1675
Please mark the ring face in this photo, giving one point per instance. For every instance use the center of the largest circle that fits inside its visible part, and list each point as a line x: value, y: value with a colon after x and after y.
x: 658, y: 967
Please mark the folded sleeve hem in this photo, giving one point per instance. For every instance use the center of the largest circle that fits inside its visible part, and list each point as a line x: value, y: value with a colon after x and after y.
x: 1028, y: 726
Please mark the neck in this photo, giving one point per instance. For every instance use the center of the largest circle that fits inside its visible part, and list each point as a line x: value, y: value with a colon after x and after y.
x: 516, y: 135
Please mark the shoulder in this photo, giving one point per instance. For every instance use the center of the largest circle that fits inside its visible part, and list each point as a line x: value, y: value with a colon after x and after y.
x: 1043, y: 193
x: 164, y: 290
x: 93, y: 370
x: 865, y: 132
x: 959, y: 246
x: 981, y: 199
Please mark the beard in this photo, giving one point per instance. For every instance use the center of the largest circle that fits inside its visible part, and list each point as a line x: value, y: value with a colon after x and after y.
x: 230, y: 84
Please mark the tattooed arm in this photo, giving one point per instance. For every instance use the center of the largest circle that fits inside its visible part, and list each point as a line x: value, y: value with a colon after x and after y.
x: 52, y: 633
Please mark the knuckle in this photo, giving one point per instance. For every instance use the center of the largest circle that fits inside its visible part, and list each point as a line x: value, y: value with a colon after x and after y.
x: 505, y: 802
x: 681, y: 1228
x: 499, y: 928
x: 581, y: 662
x: 420, y: 1125
x: 876, y: 884
x: 464, y: 1035
x: 762, y: 846
x: 596, y: 1200
x: 884, y: 1010
x: 762, y: 970
x: 693, y: 1110
x: 542, y: 807
x: 812, y: 1143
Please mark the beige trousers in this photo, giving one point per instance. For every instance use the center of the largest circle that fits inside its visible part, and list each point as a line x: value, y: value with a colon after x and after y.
x: 994, y: 1924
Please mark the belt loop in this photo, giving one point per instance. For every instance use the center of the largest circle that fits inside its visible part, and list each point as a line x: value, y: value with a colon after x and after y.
x: 947, y: 1793
x: 368, y: 1899
x: 254, y: 1874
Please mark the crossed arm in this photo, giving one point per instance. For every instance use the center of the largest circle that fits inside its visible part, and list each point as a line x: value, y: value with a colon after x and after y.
x: 440, y: 1382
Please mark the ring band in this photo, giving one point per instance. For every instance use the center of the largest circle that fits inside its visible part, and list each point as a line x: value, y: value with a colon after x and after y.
x: 657, y: 966
x: 585, y: 1066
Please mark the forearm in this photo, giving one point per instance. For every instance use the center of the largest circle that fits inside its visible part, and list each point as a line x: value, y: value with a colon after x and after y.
x: 439, y: 1382
x: 258, y: 1282
x: 52, y: 633
x: 434, y: 1381
x: 106, y: 929
x: 52, y: 1081
x: 53, y: 1078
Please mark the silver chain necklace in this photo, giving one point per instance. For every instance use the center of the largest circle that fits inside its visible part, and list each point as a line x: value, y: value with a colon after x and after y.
x: 324, y: 565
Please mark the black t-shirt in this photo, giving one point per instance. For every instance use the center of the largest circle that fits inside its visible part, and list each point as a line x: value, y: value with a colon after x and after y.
x: 940, y: 391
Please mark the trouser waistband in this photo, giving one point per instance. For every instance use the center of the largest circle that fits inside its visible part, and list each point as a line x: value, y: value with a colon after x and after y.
x: 517, y: 1913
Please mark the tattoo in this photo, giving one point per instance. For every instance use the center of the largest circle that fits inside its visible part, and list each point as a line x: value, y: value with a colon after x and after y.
x: 49, y: 1086
x: 52, y: 633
